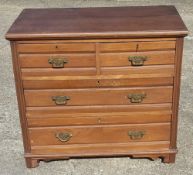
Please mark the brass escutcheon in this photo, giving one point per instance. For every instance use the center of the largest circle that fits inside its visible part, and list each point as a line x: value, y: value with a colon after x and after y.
x: 60, y: 100
x: 134, y: 135
x: 57, y: 62
x: 63, y: 136
x: 136, y: 98
x: 137, y: 60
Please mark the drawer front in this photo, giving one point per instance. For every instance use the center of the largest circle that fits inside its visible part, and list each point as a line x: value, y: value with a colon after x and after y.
x: 136, y: 58
x: 137, y: 46
x: 57, y: 60
x: 107, y: 96
x: 92, y: 83
x: 38, y: 72
x: 63, y: 119
x: 56, y: 47
x: 164, y: 70
x: 99, y: 134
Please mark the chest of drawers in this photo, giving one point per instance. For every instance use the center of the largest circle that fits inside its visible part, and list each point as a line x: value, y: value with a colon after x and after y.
x: 98, y: 81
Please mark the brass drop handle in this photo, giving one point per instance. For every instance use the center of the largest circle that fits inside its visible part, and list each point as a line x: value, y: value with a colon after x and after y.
x: 135, y: 135
x: 57, y: 62
x: 136, y: 98
x: 63, y: 136
x: 60, y: 100
x: 137, y: 60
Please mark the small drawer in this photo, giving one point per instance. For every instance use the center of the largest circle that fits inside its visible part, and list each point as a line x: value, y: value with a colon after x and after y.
x: 55, y: 47
x: 57, y: 60
x: 115, y: 96
x: 99, y: 134
x: 137, y: 58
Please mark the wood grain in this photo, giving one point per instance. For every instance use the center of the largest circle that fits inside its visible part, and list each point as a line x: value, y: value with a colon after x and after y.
x: 28, y: 72
x: 100, y: 22
x: 100, y: 83
x: 107, y: 96
x: 41, y: 60
x: 121, y: 59
x: 101, y: 149
x: 44, y: 111
x: 56, y: 47
x: 63, y: 119
x: 161, y: 69
x: 99, y: 134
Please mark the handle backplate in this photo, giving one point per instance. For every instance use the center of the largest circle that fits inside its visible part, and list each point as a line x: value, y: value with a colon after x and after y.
x: 63, y: 136
x: 57, y: 62
x: 137, y: 60
x: 60, y: 100
x: 135, y: 135
x: 136, y: 98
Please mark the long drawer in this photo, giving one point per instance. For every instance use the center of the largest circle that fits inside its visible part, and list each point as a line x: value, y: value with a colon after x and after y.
x: 103, y: 96
x: 99, y: 134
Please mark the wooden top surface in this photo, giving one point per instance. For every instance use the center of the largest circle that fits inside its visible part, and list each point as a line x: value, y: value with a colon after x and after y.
x: 100, y: 22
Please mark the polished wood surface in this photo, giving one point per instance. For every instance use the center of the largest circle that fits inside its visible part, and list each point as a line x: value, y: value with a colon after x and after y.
x: 77, y: 150
x: 73, y: 60
x: 94, y: 82
x: 99, y: 134
x: 115, y: 96
x: 63, y: 119
x: 101, y: 22
x: 98, y: 79
x: 121, y: 59
x: 137, y: 46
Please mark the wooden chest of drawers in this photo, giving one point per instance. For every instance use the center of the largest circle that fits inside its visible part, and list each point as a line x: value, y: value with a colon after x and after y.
x: 98, y: 81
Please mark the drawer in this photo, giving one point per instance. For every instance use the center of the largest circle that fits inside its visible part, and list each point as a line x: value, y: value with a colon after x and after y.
x: 63, y: 119
x: 38, y: 72
x: 55, y: 47
x: 57, y: 60
x: 137, y: 58
x: 93, y: 82
x: 103, y: 96
x: 99, y: 134
x: 137, y: 46
x: 163, y: 70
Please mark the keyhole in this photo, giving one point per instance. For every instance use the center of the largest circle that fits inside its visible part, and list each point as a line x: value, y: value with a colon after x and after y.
x: 99, y: 120
x: 98, y: 83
